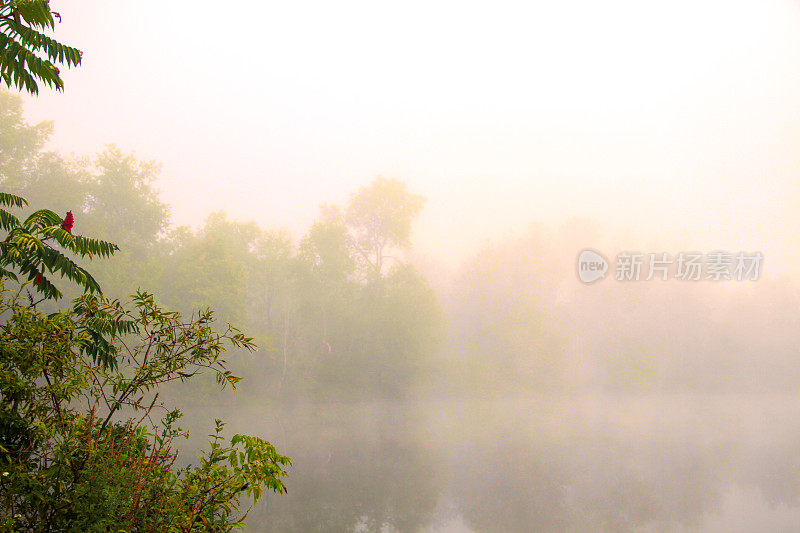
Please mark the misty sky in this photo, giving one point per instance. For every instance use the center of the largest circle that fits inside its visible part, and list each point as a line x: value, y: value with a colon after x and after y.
x: 676, y: 120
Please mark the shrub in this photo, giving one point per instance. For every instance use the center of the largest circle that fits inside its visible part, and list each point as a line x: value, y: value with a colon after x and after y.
x: 85, y: 443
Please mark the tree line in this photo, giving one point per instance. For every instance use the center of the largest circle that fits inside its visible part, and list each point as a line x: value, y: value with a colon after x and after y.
x: 339, y: 312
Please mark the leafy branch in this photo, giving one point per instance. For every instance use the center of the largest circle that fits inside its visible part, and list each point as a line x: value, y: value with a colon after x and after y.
x: 27, y: 55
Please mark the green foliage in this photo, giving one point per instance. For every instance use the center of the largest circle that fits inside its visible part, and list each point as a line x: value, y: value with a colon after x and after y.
x: 27, y: 55
x: 77, y: 386
x: 335, y: 318
x: 379, y: 217
x: 506, y: 326
x: 338, y: 329
x: 27, y: 170
x: 120, y: 198
x: 325, y: 248
x: 29, y: 249
x: 75, y: 451
x: 220, y: 250
x: 112, y: 193
x: 79, y: 447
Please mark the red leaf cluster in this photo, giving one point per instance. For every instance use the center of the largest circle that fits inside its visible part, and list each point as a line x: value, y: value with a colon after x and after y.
x: 68, y: 221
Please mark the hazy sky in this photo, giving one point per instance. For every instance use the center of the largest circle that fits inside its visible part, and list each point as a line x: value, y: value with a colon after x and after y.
x: 678, y: 118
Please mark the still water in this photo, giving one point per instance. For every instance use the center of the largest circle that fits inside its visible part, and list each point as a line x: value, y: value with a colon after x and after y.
x: 681, y: 462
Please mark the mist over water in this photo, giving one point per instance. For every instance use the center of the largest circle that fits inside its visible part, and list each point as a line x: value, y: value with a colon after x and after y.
x: 662, y: 407
x: 552, y: 405
x: 575, y: 462
x: 393, y: 205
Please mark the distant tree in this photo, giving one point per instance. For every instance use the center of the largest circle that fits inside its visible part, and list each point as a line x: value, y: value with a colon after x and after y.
x: 211, y: 266
x: 27, y: 55
x: 325, y: 248
x: 356, y: 337
x: 379, y: 216
x: 121, y: 198
x: 20, y: 143
x: 27, y: 169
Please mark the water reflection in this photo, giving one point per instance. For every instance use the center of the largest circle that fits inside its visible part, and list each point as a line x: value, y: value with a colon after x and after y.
x: 356, y: 467
x: 600, y: 463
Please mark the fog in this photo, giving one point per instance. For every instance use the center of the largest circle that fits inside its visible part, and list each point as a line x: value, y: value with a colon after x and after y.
x: 459, y: 376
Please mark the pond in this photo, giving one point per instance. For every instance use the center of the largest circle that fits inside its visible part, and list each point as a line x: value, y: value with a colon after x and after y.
x: 599, y: 462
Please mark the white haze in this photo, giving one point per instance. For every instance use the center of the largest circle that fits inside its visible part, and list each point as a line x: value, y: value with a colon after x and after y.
x: 665, y: 120
x: 534, y: 129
